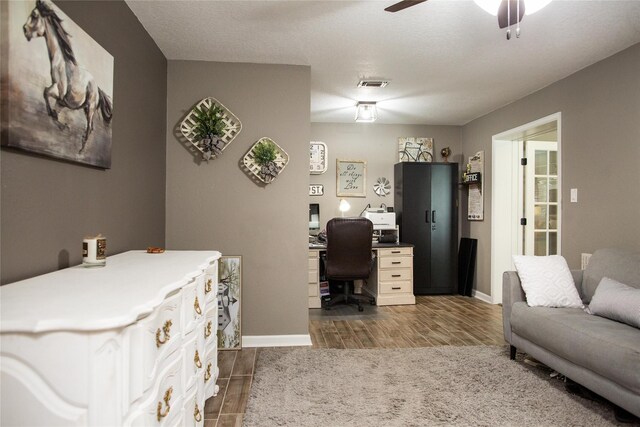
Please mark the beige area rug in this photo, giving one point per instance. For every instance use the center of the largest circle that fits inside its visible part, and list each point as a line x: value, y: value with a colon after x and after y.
x: 462, y: 386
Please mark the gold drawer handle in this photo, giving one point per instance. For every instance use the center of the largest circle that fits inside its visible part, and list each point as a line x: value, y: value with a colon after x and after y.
x: 196, y: 306
x: 207, y: 330
x: 197, y: 415
x: 196, y: 360
x: 207, y: 375
x: 207, y: 287
x: 167, y: 397
x: 166, y: 329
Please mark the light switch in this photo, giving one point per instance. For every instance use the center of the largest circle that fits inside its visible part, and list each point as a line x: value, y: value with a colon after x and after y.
x: 574, y: 195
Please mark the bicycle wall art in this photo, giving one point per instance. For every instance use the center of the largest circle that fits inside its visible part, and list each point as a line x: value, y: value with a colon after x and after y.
x: 412, y: 149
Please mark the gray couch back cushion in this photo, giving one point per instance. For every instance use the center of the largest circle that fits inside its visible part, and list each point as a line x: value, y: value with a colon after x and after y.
x: 617, y: 264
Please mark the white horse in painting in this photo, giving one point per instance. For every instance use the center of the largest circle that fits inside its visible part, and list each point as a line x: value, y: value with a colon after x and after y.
x: 71, y: 85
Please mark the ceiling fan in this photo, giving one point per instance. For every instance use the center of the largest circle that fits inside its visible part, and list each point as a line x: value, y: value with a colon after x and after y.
x: 509, y: 12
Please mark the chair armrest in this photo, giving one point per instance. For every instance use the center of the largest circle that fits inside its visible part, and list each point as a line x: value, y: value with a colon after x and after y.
x: 512, y: 292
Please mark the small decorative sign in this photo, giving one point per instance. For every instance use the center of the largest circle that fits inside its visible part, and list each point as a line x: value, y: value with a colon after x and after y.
x: 351, y: 178
x: 472, y: 178
x: 316, y: 190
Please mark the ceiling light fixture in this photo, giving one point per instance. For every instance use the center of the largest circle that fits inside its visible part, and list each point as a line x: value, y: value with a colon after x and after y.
x: 366, y: 112
x: 511, y: 12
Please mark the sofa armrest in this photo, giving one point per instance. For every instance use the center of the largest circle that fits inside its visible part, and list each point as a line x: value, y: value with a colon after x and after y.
x: 512, y: 292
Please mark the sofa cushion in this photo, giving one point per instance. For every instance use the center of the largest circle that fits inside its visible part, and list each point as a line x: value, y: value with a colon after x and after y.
x: 547, y: 281
x: 617, y: 264
x: 616, y: 301
x: 605, y: 347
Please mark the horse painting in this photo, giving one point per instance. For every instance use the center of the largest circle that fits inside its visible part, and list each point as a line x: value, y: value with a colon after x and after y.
x: 71, y: 85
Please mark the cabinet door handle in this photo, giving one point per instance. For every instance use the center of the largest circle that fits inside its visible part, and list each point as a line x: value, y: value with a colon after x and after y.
x: 396, y: 288
x: 197, y: 361
x: 207, y: 330
x: 196, y: 306
x: 426, y: 216
x: 166, y: 330
x: 197, y: 415
x: 167, y: 397
x: 433, y: 216
x: 207, y: 287
x: 396, y: 275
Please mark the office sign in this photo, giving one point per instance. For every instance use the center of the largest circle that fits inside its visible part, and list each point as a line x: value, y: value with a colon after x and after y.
x: 316, y: 190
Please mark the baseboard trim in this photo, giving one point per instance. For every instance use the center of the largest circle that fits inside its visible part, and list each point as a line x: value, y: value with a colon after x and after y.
x: 481, y: 296
x: 276, y: 340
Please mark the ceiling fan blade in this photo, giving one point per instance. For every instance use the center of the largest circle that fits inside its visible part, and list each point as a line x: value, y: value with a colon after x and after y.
x: 403, y: 5
x: 503, y: 22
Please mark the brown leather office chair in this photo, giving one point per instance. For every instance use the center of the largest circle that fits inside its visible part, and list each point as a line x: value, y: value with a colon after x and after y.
x: 349, y: 257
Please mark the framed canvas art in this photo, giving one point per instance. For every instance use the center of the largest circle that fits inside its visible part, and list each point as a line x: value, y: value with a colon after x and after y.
x: 351, y: 178
x: 412, y: 149
x: 57, y: 85
x: 229, y: 287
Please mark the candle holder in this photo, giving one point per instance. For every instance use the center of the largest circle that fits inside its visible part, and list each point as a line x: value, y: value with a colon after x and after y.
x: 94, y: 251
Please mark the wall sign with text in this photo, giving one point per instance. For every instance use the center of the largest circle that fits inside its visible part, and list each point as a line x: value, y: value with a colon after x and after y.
x: 316, y: 190
x: 351, y: 178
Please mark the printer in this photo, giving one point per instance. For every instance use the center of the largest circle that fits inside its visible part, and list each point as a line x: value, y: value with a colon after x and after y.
x: 384, y: 224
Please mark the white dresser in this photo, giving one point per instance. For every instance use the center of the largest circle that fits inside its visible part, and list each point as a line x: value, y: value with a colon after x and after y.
x: 132, y: 343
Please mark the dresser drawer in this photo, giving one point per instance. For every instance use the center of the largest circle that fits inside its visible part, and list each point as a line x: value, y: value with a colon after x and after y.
x: 398, y: 287
x: 193, y: 303
x: 193, y: 412
x: 396, y: 262
x: 210, y: 329
x: 193, y: 353
x: 394, y: 252
x: 211, y: 282
x: 153, y: 339
x: 210, y: 375
x: 394, y: 274
x: 162, y: 405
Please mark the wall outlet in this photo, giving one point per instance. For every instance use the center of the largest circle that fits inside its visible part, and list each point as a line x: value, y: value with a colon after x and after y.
x: 584, y: 260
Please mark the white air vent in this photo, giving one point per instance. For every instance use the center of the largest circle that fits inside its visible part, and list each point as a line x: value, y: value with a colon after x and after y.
x: 584, y: 261
x: 373, y: 83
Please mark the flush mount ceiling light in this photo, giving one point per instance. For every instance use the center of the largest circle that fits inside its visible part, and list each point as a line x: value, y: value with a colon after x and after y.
x: 511, y: 12
x: 372, y: 83
x: 366, y: 112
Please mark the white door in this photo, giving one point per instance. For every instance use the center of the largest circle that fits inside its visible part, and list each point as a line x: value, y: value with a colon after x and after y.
x: 542, y: 199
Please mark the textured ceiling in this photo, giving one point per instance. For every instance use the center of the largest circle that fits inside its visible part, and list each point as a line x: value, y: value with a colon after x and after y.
x: 447, y: 60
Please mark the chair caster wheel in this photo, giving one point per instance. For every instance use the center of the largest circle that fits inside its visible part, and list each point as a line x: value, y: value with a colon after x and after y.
x: 372, y: 302
x: 360, y: 308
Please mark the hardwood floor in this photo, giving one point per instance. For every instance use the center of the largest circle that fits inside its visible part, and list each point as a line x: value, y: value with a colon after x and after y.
x: 433, y: 321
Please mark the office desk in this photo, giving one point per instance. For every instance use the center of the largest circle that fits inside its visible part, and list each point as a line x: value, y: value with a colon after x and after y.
x: 391, y: 280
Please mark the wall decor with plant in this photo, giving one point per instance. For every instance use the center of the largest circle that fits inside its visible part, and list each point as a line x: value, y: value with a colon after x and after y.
x: 210, y: 127
x: 266, y: 160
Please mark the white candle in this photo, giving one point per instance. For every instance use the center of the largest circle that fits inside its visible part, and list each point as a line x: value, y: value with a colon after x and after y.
x: 94, y: 251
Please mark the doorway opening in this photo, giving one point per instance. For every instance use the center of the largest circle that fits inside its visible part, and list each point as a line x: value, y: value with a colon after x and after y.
x: 526, y: 198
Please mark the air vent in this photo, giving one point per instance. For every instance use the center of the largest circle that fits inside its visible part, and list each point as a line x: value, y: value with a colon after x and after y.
x: 373, y: 83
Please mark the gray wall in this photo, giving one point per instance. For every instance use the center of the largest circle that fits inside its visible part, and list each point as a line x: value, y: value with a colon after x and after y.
x: 217, y: 206
x: 600, y: 151
x: 378, y: 145
x: 49, y: 205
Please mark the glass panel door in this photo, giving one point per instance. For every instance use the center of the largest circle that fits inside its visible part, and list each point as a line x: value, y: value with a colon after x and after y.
x: 541, y: 199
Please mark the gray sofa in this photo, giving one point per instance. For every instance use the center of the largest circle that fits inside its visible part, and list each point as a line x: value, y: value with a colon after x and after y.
x: 598, y: 353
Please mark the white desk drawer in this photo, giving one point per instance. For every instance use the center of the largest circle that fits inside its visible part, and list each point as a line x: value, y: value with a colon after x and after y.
x: 313, y: 263
x: 394, y: 274
x: 396, y: 262
x: 394, y: 252
x: 313, y: 290
x: 313, y: 276
x: 397, y: 287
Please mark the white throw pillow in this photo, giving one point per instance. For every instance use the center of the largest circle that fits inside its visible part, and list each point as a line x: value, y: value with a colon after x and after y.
x: 547, y: 281
x: 616, y: 301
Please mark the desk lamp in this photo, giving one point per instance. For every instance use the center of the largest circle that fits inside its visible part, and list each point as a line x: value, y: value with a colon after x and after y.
x: 344, y: 206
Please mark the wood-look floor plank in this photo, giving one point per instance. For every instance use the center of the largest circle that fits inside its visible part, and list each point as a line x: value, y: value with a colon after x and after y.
x: 245, y: 361
x: 230, y: 420
x: 331, y: 335
x: 226, y: 360
x: 349, y: 339
x: 213, y: 405
x: 364, y: 335
x: 235, y: 400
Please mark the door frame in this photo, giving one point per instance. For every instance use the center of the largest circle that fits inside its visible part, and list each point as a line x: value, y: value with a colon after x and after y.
x: 507, y: 198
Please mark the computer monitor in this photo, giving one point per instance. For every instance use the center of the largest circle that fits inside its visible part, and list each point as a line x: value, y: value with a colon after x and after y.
x: 314, y: 217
